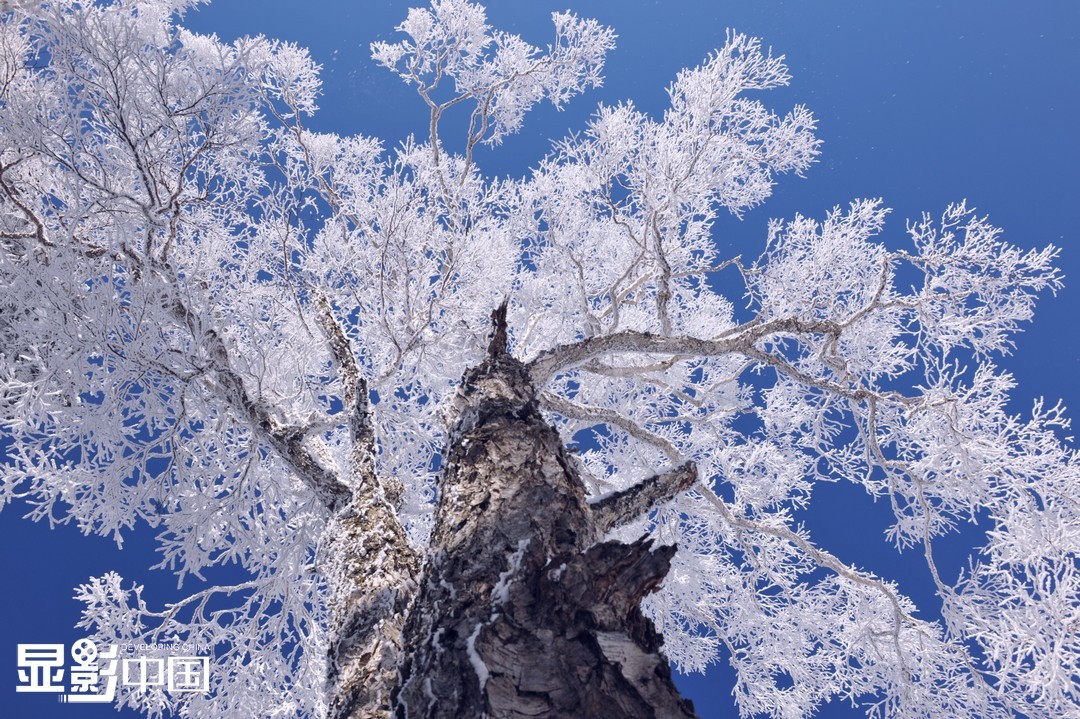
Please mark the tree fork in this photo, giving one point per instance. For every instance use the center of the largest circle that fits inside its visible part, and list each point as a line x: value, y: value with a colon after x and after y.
x: 520, y: 611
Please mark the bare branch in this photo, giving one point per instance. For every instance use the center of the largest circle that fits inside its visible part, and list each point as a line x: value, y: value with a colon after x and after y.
x: 629, y: 504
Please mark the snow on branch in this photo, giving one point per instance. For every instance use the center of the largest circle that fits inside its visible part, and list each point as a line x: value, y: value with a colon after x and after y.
x: 500, y: 72
x: 565, y: 357
x: 168, y: 229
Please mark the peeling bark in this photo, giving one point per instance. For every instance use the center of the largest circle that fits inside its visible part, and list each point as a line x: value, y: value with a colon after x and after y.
x: 520, y: 611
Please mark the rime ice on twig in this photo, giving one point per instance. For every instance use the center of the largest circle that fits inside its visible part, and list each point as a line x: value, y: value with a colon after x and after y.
x: 252, y: 337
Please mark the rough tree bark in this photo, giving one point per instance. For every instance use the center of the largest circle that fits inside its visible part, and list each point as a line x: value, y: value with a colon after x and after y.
x: 368, y: 560
x: 520, y: 610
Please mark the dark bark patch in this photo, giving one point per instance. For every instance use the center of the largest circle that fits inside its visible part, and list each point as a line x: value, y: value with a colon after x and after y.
x: 520, y: 612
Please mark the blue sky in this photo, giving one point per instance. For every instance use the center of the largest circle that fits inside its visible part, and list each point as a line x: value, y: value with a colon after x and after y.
x: 921, y: 103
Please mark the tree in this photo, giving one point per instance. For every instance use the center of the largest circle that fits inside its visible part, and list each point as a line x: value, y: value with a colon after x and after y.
x: 278, y: 348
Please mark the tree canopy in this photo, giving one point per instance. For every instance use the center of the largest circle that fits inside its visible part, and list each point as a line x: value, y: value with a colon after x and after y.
x: 211, y: 316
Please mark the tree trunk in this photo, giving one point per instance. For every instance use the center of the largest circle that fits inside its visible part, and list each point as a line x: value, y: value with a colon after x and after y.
x: 520, y: 611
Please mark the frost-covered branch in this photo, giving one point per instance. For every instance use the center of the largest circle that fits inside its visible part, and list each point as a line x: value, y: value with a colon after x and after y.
x: 564, y: 357
x: 595, y: 414
x: 250, y: 336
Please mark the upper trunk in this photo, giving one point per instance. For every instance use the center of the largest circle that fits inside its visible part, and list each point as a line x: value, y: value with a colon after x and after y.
x: 519, y: 611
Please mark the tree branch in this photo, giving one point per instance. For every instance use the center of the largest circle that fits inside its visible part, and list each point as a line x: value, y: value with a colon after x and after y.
x: 497, y: 345
x: 826, y: 560
x: 622, y: 507
x: 564, y: 357
x: 597, y: 414
x: 287, y: 442
x: 354, y: 387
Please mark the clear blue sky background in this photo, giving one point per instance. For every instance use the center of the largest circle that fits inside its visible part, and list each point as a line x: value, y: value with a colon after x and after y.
x: 922, y: 103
